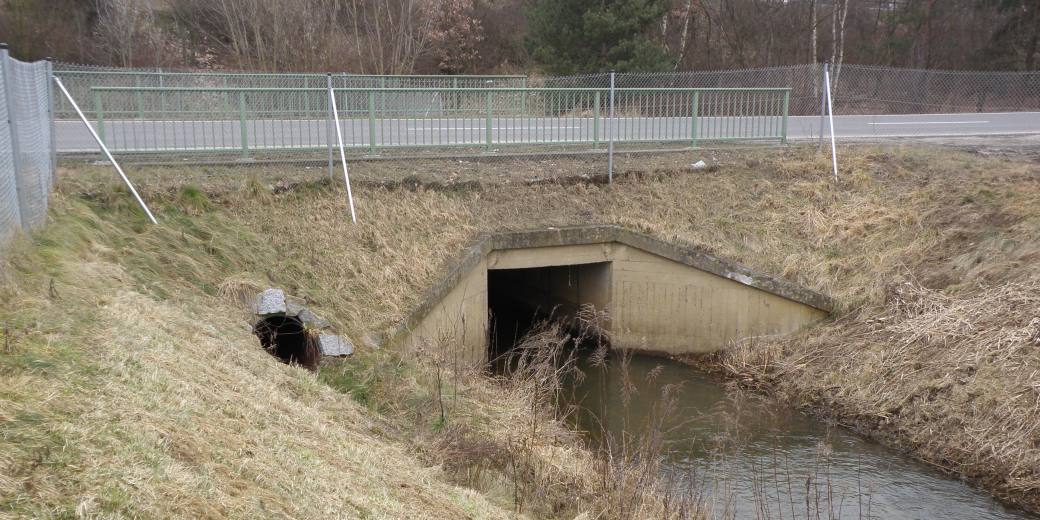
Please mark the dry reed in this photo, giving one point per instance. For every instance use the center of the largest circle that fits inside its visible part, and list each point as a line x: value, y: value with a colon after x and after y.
x: 929, y: 252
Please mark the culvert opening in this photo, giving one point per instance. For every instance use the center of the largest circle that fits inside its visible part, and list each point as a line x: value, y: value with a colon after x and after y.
x: 286, y: 338
x: 520, y: 298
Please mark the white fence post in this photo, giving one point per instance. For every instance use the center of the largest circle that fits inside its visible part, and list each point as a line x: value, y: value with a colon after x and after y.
x: 830, y: 113
x: 342, y: 154
x: 104, y: 148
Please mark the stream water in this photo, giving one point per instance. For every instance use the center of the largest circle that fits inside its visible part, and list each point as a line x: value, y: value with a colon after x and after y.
x: 750, y: 457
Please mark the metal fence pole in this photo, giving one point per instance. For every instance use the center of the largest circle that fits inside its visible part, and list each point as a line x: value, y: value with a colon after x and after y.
x: 99, y: 114
x: 328, y: 120
x: 694, y: 113
x: 5, y: 67
x: 823, y: 105
x: 372, y: 121
x: 162, y: 93
x: 51, y: 117
x: 382, y: 95
x: 342, y: 154
x: 104, y: 149
x: 830, y: 113
x: 137, y: 97
x: 595, y: 122
x: 244, y: 134
x: 487, y: 125
x: 227, y: 103
x: 455, y: 98
x: 610, y: 133
x: 523, y: 96
x: 61, y: 101
x: 787, y: 110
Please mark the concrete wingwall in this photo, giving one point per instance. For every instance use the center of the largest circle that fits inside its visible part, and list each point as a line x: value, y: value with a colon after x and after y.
x: 659, y: 297
x: 453, y: 318
x: 664, y: 306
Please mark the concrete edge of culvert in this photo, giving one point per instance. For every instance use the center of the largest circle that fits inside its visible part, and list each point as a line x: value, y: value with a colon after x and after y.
x: 479, y: 250
x: 594, y: 234
x: 316, y: 344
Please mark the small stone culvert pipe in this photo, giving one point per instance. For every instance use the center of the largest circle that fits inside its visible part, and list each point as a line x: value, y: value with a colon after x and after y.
x: 294, y: 334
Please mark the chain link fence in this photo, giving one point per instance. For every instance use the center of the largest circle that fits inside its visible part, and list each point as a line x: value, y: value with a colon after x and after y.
x: 190, y: 117
x: 880, y: 90
x: 26, y: 145
x: 856, y: 89
x: 240, y: 116
x: 193, y: 116
x: 804, y: 82
x: 81, y: 79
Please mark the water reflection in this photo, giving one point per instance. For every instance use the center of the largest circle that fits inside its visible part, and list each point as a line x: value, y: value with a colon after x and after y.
x: 751, y: 457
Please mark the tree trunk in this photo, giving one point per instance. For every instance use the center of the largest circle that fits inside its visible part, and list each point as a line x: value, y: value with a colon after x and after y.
x: 1034, y: 40
x: 840, y: 40
x: 813, y: 24
x: 684, y: 36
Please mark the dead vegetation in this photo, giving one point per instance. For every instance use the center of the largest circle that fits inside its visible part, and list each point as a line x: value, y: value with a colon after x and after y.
x: 953, y: 379
x: 118, y: 330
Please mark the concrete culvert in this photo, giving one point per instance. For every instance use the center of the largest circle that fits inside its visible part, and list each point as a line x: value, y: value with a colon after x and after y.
x: 286, y: 338
x: 519, y: 298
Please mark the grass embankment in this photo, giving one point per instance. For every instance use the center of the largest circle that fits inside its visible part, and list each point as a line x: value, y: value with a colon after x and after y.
x: 132, y: 386
x: 126, y: 338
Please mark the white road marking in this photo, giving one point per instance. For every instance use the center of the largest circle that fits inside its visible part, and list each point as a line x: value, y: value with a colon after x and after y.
x: 930, y: 123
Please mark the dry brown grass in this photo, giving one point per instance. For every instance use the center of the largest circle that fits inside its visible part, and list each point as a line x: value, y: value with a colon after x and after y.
x: 624, y: 480
x: 116, y: 402
x: 923, y: 210
x: 954, y: 379
x: 133, y: 386
x: 960, y: 226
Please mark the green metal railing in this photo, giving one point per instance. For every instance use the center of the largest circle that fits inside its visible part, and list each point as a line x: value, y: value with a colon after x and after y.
x: 80, y: 82
x: 253, y: 120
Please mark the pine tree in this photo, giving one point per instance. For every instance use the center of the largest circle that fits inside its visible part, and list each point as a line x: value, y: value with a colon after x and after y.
x: 573, y: 36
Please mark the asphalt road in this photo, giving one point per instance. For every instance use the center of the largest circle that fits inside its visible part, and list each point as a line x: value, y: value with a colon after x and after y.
x: 922, y: 125
x: 268, y: 134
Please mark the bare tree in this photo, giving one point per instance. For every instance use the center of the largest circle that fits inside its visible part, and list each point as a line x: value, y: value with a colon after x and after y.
x: 686, y: 15
x: 406, y: 36
x: 814, y: 24
x: 269, y: 34
x: 125, y: 28
x: 391, y: 35
x: 839, y: 15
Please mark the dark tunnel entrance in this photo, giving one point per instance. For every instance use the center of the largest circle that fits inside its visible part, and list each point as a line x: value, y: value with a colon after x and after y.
x: 286, y: 338
x: 519, y: 298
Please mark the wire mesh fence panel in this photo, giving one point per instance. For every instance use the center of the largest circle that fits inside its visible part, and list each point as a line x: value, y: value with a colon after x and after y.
x: 31, y: 110
x: 26, y: 153
x: 201, y: 114
x: 81, y: 79
x: 878, y: 90
x: 265, y: 120
x: 239, y: 120
x: 804, y: 82
x: 10, y: 214
x: 422, y: 81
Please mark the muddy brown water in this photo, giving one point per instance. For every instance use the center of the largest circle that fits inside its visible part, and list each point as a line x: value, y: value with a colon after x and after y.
x: 751, y: 457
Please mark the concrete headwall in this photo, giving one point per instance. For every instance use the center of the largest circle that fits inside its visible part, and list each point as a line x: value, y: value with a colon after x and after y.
x: 660, y: 297
x: 661, y: 305
x: 454, y: 318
